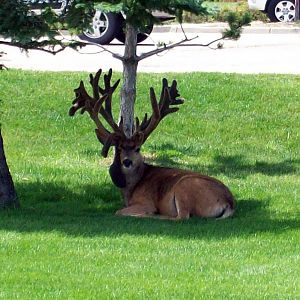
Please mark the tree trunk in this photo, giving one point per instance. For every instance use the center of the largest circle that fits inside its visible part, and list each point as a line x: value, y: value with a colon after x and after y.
x: 8, y: 196
x: 128, y: 90
x: 297, y: 7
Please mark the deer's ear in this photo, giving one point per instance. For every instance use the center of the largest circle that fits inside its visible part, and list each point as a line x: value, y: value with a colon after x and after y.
x: 115, y: 171
x: 138, y: 138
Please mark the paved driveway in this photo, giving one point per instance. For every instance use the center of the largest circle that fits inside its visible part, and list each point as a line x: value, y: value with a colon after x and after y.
x: 257, y: 51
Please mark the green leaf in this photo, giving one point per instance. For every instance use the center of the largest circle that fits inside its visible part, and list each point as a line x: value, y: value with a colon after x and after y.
x: 108, y: 7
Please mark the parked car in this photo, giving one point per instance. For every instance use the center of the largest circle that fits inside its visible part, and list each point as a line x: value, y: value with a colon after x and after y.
x: 105, y: 26
x: 277, y: 10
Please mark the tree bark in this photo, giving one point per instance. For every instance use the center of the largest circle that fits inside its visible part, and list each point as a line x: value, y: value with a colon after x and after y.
x: 128, y: 90
x: 8, y: 196
x: 297, y: 7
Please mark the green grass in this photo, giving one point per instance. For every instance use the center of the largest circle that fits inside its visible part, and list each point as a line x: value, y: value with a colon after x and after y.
x: 66, y: 243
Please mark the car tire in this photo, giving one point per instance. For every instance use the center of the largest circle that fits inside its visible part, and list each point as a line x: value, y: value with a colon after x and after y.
x: 281, y: 10
x: 141, y: 36
x: 104, y: 28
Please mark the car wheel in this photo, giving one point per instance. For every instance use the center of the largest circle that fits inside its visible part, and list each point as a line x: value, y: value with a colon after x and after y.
x: 281, y: 10
x: 103, y: 28
x: 141, y: 36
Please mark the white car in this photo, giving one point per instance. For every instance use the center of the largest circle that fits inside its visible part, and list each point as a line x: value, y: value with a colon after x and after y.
x: 277, y: 10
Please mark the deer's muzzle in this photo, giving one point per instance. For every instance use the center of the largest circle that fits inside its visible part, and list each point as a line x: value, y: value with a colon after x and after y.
x: 127, y: 163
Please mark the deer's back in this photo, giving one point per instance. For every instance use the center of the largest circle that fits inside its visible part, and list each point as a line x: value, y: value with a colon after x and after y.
x: 197, y: 192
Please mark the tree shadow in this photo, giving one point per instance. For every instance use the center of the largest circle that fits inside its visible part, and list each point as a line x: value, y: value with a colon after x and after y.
x: 91, y: 213
x: 58, y: 199
x: 235, y: 166
x: 179, y: 150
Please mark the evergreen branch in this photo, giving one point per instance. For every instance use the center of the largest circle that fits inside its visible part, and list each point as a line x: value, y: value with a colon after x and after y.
x: 40, y: 46
x: 32, y: 47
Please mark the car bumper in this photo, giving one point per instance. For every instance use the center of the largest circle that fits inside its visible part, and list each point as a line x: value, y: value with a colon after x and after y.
x: 257, y: 4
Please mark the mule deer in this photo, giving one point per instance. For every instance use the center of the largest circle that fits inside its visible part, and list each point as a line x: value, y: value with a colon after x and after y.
x: 149, y: 190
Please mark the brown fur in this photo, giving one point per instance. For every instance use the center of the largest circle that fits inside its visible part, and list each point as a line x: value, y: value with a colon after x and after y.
x: 170, y: 193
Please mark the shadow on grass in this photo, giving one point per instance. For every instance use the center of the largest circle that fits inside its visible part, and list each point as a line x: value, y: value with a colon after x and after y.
x: 59, y: 199
x: 176, y: 149
x: 234, y: 166
x: 55, y: 208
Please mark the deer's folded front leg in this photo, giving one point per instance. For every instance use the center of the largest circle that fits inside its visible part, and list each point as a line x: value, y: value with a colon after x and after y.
x: 137, y: 210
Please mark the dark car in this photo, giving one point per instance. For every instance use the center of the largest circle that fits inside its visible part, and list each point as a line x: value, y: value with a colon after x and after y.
x: 105, y: 26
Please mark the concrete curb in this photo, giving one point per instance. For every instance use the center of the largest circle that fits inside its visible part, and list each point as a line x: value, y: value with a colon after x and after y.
x: 255, y: 27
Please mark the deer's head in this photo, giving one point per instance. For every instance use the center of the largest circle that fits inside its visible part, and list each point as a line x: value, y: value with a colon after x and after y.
x: 128, y: 158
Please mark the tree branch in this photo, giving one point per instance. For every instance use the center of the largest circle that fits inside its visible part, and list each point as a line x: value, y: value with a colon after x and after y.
x: 183, y: 30
x: 212, y: 42
x: 170, y: 46
x: 114, y: 55
x: 164, y: 48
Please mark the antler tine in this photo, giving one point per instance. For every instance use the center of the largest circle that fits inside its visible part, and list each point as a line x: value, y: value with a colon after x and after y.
x: 165, y: 108
x: 109, y: 140
x: 137, y: 123
x: 106, y: 144
x: 81, y: 100
x: 169, y: 97
x: 144, y: 123
x: 160, y: 110
x: 109, y: 90
x: 162, y: 94
x: 148, y: 125
x: 94, y: 81
x: 108, y: 117
x: 102, y: 133
x: 174, y: 94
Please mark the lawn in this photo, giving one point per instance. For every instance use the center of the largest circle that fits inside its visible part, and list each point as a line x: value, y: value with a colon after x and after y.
x: 65, y: 242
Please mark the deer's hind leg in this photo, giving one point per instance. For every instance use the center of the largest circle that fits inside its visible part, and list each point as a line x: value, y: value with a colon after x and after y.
x: 173, y: 207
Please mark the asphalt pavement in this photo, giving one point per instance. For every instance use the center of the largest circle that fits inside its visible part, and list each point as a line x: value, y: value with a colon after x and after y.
x: 262, y: 48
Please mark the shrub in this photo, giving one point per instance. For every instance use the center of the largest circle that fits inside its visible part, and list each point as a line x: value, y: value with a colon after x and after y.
x: 220, y: 10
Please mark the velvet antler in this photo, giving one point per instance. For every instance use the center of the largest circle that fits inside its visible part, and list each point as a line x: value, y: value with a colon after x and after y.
x: 94, y: 106
x: 168, y: 98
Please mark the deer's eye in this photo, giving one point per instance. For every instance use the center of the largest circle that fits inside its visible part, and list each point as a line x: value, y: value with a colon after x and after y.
x: 137, y: 150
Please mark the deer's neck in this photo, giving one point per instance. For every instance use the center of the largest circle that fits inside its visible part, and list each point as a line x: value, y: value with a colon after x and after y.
x: 132, y: 181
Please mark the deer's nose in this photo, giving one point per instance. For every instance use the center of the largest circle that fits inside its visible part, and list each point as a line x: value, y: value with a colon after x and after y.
x: 127, y: 163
